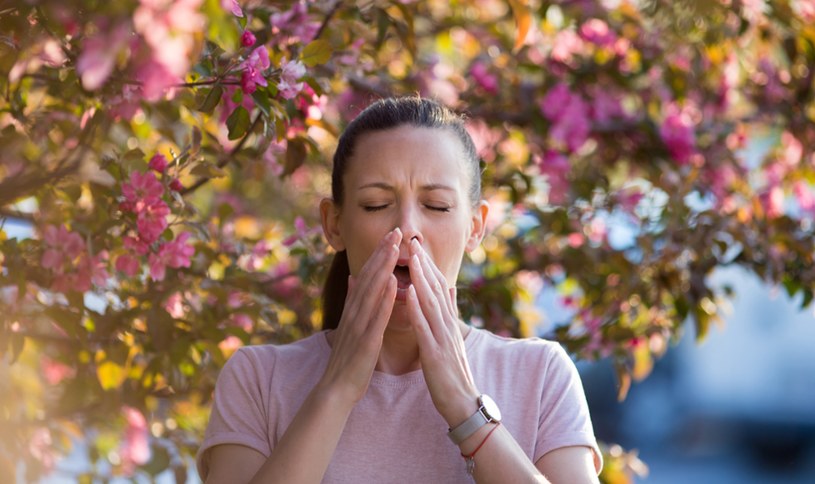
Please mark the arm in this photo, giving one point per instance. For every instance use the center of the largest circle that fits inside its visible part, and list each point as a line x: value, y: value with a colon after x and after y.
x: 306, y: 448
x: 444, y: 363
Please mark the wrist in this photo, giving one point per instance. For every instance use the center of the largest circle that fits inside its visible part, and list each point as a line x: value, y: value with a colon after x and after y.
x: 335, y: 395
x: 460, y: 408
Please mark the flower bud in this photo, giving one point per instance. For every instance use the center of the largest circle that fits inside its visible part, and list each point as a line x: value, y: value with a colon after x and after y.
x: 158, y: 163
x: 248, y: 39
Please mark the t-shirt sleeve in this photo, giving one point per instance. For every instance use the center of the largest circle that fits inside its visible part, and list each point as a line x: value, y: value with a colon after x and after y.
x: 238, y: 413
x: 565, y: 419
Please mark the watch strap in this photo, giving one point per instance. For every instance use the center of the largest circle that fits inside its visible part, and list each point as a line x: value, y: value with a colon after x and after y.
x: 469, y: 426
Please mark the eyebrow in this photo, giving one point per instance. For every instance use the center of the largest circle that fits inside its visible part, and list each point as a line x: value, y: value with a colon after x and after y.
x: 428, y: 187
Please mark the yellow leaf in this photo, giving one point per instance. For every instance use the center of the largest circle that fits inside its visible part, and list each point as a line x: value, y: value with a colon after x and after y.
x: 523, y: 21
x: 316, y: 52
x: 110, y: 375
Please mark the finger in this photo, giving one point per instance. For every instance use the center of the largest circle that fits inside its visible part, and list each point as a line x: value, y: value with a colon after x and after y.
x: 383, y: 312
x: 417, y: 319
x: 453, y: 301
x: 372, y: 285
x: 428, y: 302
x: 437, y: 282
x: 374, y: 272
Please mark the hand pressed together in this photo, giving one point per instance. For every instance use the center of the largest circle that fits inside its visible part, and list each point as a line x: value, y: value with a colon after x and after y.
x: 368, y: 306
x: 434, y: 315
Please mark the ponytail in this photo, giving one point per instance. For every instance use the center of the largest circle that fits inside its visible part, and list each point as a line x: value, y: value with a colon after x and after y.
x: 335, y: 290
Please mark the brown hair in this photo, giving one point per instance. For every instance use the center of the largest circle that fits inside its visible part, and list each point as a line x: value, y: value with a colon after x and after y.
x: 382, y: 115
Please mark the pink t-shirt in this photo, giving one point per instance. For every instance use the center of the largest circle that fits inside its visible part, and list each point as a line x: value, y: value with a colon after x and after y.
x: 395, y: 434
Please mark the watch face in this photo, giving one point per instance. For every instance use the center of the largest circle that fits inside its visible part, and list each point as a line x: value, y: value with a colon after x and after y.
x: 491, y: 408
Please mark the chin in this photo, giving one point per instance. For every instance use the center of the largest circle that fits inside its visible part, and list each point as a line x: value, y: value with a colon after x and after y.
x: 399, y: 321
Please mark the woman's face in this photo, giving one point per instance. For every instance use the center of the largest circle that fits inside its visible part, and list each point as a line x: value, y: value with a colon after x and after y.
x: 414, y: 178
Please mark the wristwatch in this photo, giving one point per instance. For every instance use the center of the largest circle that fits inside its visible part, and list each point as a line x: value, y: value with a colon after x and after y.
x: 487, y: 412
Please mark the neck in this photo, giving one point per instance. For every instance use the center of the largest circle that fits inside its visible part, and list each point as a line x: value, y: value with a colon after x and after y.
x: 400, y: 351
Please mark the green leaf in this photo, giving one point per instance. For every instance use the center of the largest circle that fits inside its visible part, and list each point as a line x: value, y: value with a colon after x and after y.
x: 261, y: 97
x: 238, y: 123
x: 316, y: 52
x: 208, y: 99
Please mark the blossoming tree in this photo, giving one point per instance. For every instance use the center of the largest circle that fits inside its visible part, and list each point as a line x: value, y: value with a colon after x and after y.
x: 162, y: 161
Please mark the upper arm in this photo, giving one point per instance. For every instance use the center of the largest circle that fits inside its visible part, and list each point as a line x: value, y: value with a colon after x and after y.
x: 574, y: 464
x: 231, y: 463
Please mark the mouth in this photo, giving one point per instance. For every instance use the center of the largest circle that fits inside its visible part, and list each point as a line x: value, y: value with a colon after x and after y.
x: 402, y: 273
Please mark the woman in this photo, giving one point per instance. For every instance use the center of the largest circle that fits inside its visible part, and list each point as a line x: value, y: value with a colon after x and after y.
x: 398, y: 388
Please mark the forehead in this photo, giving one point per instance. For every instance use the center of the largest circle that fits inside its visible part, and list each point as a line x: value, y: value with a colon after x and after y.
x: 423, y: 154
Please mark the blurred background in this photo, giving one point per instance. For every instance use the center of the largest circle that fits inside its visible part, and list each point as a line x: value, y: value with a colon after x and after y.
x: 738, y: 407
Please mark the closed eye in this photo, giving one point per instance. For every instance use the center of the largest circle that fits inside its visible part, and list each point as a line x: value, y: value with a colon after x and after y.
x: 374, y: 208
x: 438, y: 209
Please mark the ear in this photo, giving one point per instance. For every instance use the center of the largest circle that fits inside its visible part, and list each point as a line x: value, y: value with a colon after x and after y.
x: 330, y: 217
x: 478, y: 225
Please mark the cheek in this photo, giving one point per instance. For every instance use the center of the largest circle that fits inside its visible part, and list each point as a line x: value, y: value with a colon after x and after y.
x: 360, y: 243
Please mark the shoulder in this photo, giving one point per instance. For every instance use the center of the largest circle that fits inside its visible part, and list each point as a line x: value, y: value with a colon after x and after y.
x: 540, y: 353
x: 263, y: 359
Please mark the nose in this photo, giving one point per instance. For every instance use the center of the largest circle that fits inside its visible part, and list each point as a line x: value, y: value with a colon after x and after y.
x: 409, y: 224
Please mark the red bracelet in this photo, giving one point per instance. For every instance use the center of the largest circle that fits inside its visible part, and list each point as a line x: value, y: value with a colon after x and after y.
x: 471, y: 458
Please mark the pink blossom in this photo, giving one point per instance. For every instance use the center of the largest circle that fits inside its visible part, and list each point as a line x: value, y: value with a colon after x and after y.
x: 629, y: 199
x: 230, y: 344
x: 175, y: 185
x: 136, y: 245
x: 242, y: 321
x: 41, y: 447
x: 168, y: 29
x: 805, y: 9
x: 158, y: 163
x: 566, y: 45
x: 484, y: 78
x: 174, y: 305
x: 253, y: 67
x: 126, y: 104
x: 597, y: 230
x: 156, y: 80
x: 290, y: 72
x: 555, y: 167
x: 767, y: 77
x: 485, y: 139
x: 232, y: 6
x: 293, y: 26
x: 805, y: 195
x: 575, y: 240
x: 248, y: 38
x: 605, y: 105
x: 135, y: 449
x: 677, y: 132
x: 55, y: 371
x: 597, y: 32
x: 285, y: 285
x: 151, y: 220
x: 175, y: 254
x: 792, y: 150
x: 98, y: 56
x: 773, y: 201
x: 272, y: 154
x: 127, y: 264
x: 569, y: 115
x: 143, y: 188
x: 302, y: 232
